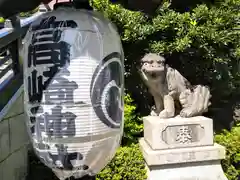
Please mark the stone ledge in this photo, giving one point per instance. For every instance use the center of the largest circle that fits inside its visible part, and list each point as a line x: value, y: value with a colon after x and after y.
x: 18, y: 132
x: 15, y: 167
x: 178, y: 132
x: 181, y: 155
x: 209, y: 170
x: 4, y: 140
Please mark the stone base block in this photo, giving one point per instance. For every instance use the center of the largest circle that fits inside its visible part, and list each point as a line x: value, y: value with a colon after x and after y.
x: 210, y: 170
x: 178, y: 132
x: 181, y: 155
x: 194, y: 163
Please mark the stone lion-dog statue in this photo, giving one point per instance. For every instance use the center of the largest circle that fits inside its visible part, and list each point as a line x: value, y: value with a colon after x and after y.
x: 172, y: 93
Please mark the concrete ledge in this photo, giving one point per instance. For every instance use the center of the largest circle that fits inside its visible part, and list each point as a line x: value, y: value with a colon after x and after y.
x: 15, y: 166
x: 14, y: 140
x: 181, y: 155
x: 210, y: 170
x: 4, y: 140
x: 18, y: 132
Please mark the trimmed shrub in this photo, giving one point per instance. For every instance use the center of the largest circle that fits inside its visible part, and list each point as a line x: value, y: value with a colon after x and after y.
x: 2, y: 20
x: 133, y: 126
x: 127, y: 164
x: 231, y: 164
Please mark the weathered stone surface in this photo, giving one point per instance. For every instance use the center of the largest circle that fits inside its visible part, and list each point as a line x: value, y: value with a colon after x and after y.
x: 18, y: 132
x: 15, y: 166
x: 178, y: 132
x: 181, y: 155
x: 210, y: 170
x: 4, y: 140
x: 13, y: 140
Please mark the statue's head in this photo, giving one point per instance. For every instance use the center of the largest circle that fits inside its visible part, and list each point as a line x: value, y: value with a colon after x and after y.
x: 152, y: 67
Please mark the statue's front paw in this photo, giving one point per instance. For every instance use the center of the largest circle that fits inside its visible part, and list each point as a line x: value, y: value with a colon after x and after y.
x: 165, y: 114
x: 153, y: 113
x: 187, y: 112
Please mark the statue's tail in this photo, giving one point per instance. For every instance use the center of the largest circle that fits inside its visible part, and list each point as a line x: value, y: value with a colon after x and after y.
x: 195, y: 102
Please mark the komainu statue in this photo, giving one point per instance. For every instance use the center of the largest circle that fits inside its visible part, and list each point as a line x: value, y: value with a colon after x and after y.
x: 172, y: 93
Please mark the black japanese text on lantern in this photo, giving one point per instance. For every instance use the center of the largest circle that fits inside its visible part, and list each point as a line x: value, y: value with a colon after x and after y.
x: 48, y: 52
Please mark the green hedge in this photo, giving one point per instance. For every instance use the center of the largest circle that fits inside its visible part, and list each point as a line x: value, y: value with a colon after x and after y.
x: 133, y: 125
x: 128, y: 164
x: 231, y: 141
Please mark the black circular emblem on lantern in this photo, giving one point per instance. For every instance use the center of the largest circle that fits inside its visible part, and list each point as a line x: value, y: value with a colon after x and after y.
x: 107, y: 90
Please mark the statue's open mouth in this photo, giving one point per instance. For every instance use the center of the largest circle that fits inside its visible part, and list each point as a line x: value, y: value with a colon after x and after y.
x: 153, y: 74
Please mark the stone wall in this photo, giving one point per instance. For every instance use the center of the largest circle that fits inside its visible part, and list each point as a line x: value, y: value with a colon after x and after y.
x: 14, y: 140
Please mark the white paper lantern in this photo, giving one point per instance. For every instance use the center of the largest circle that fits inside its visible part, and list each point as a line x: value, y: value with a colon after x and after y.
x: 73, y: 82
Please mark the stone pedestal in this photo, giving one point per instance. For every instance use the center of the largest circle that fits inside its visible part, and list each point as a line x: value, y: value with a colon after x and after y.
x: 181, y: 149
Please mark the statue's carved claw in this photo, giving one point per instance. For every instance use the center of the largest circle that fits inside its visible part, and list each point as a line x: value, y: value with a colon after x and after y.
x: 187, y: 112
x: 165, y: 114
x: 153, y: 113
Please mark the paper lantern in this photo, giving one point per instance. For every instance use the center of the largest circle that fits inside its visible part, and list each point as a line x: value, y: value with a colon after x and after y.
x: 73, y: 90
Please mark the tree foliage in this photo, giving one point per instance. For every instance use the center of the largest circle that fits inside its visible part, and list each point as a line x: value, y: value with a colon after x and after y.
x: 202, y: 43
